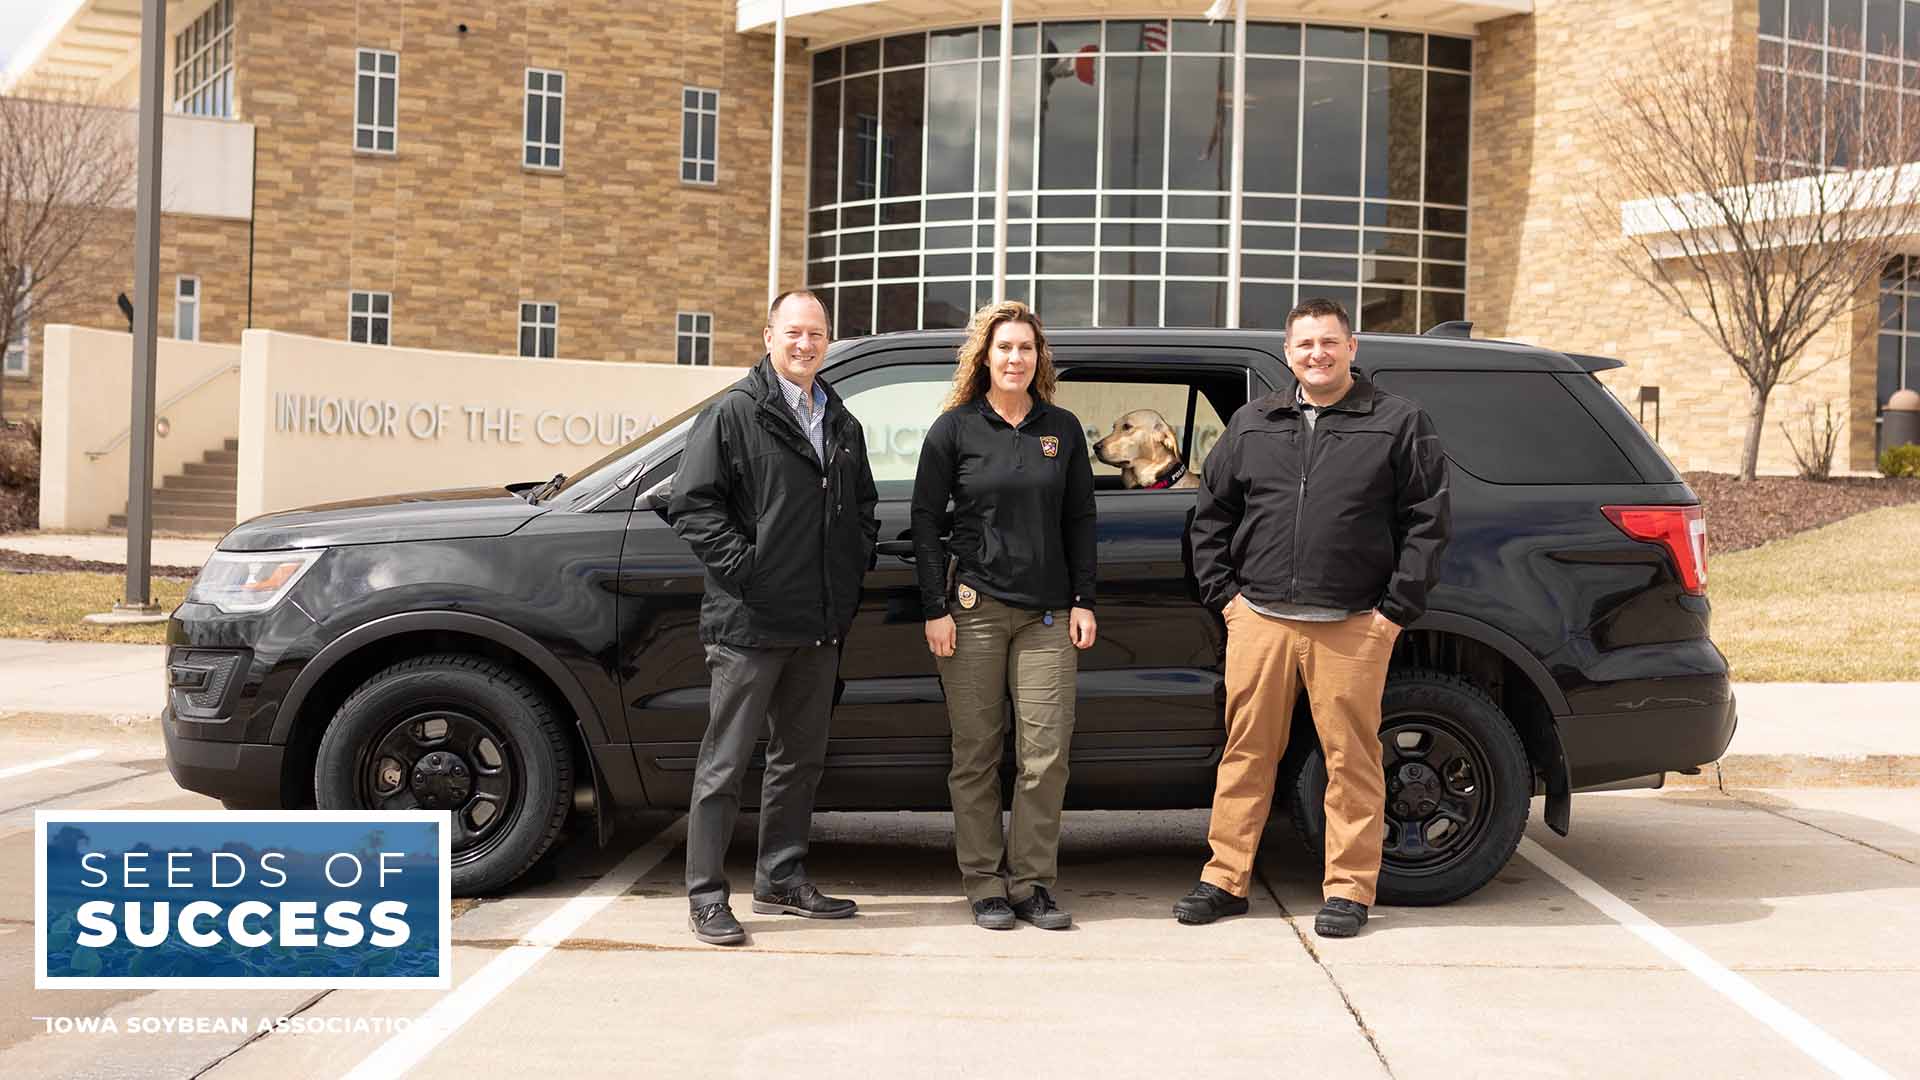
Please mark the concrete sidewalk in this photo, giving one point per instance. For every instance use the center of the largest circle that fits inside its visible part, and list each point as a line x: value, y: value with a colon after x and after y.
x: 78, y: 678
x: 110, y: 547
x: 1790, y: 734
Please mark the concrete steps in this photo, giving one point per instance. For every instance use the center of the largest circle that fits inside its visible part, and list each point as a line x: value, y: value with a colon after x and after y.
x: 198, y: 499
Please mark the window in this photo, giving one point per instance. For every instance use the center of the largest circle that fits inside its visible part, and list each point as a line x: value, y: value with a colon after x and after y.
x: 693, y: 338
x: 18, y: 361
x: 545, y: 90
x: 539, y: 326
x: 1514, y: 427
x: 699, y: 135
x: 1129, y: 412
x: 203, y: 63
x: 377, y: 85
x: 1899, y: 357
x: 370, y: 318
x: 186, y: 308
x: 896, y: 406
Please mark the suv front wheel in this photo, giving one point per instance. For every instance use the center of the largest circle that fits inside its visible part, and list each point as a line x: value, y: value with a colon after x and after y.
x: 457, y: 733
x: 1458, y: 789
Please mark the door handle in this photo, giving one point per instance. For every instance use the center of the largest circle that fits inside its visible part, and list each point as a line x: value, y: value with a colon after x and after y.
x: 899, y: 549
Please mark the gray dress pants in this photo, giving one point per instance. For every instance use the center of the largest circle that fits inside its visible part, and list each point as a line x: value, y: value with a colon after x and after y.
x: 785, y: 694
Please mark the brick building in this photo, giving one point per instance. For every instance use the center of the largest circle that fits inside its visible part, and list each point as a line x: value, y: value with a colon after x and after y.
x: 591, y: 179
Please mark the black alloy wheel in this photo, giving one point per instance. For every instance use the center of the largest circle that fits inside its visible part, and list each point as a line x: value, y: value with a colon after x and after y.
x: 461, y: 734
x: 443, y: 757
x: 1458, y: 789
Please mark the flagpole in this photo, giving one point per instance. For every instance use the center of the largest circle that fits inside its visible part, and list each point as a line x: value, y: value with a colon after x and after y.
x: 779, y: 130
x: 1238, y: 198
x: 1003, y: 139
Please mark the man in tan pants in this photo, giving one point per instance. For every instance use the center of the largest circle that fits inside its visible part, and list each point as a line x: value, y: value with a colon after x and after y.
x: 1317, y: 534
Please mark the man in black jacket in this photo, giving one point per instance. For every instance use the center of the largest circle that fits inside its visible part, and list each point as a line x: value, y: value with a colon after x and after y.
x: 1317, y: 534
x: 775, y: 496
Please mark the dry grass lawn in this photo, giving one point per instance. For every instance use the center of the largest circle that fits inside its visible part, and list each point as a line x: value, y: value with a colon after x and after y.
x: 49, y: 606
x: 1840, y: 603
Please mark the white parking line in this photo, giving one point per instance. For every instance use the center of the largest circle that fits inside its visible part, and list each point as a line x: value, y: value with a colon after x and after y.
x: 401, y: 1053
x: 12, y: 771
x: 1823, y: 1048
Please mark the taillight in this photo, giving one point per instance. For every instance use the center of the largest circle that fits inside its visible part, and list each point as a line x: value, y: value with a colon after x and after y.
x: 1682, y: 530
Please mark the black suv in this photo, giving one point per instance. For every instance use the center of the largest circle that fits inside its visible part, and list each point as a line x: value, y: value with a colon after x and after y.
x: 516, y: 654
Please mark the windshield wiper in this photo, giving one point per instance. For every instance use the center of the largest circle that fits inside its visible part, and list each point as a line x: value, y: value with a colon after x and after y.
x: 547, y: 489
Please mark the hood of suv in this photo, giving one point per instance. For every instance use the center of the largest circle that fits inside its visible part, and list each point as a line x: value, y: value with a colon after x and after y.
x: 453, y: 514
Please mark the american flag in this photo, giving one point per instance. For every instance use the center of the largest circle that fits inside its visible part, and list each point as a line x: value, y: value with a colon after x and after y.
x: 1154, y: 37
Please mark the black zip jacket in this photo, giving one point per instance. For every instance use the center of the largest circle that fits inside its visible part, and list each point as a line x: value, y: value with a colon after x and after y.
x: 786, y: 540
x: 1023, y: 510
x: 1354, y: 518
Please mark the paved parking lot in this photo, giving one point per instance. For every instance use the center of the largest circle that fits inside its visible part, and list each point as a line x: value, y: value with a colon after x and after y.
x: 1679, y: 933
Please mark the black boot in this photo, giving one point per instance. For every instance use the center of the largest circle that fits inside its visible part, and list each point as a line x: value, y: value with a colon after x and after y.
x: 715, y: 925
x: 1206, y: 903
x: 1340, y: 917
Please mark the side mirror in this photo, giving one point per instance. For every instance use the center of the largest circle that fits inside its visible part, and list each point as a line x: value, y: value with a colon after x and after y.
x: 659, y: 497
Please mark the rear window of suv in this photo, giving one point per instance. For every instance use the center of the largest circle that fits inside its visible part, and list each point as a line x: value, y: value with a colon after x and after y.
x: 1514, y: 427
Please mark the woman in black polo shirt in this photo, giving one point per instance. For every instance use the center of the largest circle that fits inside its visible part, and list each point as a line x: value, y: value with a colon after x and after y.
x: 1019, y: 604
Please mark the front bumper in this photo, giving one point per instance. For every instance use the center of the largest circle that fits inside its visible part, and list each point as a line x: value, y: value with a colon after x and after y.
x: 237, y: 773
x: 1609, y: 746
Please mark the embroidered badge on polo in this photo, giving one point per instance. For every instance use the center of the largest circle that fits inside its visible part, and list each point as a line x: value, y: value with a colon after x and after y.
x: 968, y: 597
x: 1050, y: 445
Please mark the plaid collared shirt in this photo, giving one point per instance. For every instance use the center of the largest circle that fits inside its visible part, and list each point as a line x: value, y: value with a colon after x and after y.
x: 812, y: 419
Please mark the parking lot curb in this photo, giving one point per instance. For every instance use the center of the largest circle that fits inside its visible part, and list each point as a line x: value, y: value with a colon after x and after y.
x: 76, y: 725
x: 1805, y: 771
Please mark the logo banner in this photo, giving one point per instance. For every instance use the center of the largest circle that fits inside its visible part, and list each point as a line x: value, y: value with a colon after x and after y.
x: 226, y: 899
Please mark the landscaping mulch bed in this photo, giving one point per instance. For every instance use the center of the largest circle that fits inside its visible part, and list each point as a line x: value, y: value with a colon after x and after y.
x: 1744, y: 515
x: 21, y: 562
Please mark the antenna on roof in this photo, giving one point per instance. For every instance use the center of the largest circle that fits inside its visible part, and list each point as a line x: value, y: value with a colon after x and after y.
x: 1453, y: 328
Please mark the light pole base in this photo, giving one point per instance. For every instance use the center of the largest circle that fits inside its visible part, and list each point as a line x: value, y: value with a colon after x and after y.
x: 128, y: 614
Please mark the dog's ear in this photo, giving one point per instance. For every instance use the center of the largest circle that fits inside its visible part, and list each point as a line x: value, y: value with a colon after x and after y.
x: 1165, y: 436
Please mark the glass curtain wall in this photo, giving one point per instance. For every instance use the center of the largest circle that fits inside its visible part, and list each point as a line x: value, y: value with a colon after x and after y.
x: 1824, y: 61
x: 1120, y: 164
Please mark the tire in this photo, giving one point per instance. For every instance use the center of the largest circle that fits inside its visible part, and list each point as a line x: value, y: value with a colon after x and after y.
x: 459, y: 733
x: 1426, y: 715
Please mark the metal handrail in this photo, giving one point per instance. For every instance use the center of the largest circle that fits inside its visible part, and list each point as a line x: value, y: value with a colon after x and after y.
x: 121, y: 439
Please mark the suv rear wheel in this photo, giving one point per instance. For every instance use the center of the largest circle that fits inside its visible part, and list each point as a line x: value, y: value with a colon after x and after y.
x: 458, y: 733
x: 1458, y: 789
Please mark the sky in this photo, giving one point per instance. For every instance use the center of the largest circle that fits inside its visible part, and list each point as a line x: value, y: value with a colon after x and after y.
x: 18, y: 19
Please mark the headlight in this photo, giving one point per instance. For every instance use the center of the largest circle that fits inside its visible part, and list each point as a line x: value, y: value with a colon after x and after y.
x: 237, y: 582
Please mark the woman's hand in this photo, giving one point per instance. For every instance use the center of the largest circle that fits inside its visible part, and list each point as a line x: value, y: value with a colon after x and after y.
x: 1082, y: 627
x: 940, y: 634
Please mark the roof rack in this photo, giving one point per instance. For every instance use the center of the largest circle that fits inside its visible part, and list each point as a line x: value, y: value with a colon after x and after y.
x: 1453, y: 328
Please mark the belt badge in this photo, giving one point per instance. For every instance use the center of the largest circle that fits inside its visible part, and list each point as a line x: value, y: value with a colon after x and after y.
x: 968, y: 597
x: 1050, y: 445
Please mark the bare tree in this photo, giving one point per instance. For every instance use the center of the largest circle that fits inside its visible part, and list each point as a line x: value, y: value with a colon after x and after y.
x: 66, y: 171
x: 1763, y: 208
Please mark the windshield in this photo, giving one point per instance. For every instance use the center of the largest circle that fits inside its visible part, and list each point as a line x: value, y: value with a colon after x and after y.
x: 593, y: 480
x: 602, y: 474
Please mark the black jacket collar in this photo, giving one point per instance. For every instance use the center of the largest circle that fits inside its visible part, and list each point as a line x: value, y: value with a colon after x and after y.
x: 763, y: 383
x: 1358, y: 399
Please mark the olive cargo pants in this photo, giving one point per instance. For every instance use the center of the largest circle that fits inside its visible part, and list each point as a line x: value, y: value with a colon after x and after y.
x: 1343, y: 666
x: 1002, y: 651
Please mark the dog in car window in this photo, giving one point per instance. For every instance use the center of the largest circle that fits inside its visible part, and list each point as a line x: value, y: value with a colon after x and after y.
x: 1142, y: 445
